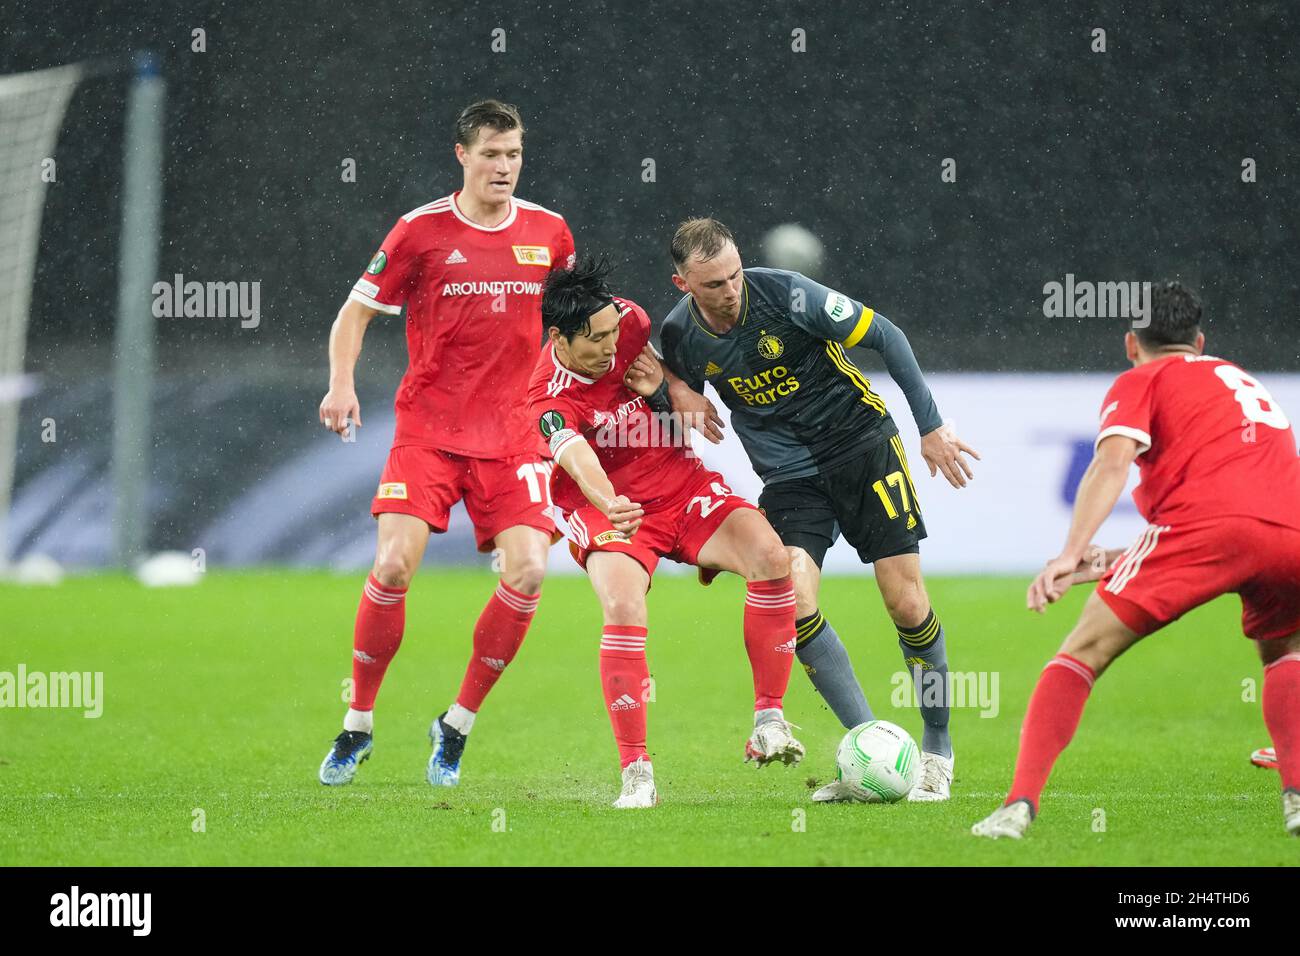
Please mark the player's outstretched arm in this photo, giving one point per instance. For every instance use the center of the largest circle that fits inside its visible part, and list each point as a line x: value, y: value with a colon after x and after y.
x: 1100, y: 488
x: 340, y: 402
x: 940, y: 447
x: 579, y: 459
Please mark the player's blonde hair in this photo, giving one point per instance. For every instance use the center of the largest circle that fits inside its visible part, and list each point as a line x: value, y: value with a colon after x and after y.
x: 699, y: 237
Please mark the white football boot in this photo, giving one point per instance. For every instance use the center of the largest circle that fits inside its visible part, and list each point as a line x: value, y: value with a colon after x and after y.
x: 638, y: 786
x: 1011, y: 820
x: 1291, y: 811
x: 837, y: 791
x: 935, y: 782
x: 1265, y: 757
x: 772, y: 740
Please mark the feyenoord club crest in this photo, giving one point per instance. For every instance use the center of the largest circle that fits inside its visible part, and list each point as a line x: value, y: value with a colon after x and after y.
x: 377, y: 263
x: 770, y: 347
x: 550, y: 423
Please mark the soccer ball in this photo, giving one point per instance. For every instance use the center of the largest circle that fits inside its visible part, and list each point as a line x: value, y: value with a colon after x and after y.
x: 793, y: 247
x: 879, y: 761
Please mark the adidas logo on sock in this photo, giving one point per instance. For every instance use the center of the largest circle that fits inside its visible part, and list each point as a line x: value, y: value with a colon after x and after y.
x: 495, y: 663
x: 455, y: 258
x: 787, y: 647
x: 624, y: 703
x: 363, y: 657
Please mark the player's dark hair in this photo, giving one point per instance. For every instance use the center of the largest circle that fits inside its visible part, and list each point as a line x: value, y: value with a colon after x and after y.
x: 498, y: 116
x: 1175, y: 317
x: 699, y: 237
x: 571, y: 297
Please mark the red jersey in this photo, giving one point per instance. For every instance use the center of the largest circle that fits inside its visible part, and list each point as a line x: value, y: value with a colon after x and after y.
x: 473, y: 322
x: 637, y: 455
x: 1211, y: 442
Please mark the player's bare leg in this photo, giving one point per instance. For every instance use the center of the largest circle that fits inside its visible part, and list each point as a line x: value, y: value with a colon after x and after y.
x: 621, y: 583
x: 1280, y: 701
x: 1054, y: 711
x: 381, y: 620
x: 520, y: 556
x: 745, y: 544
x: 921, y: 640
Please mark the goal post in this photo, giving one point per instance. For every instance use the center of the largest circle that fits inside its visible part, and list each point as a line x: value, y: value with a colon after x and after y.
x: 133, y: 347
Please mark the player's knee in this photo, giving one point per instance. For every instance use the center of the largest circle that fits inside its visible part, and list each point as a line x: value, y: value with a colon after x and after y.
x: 769, y: 561
x: 909, y: 607
x: 393, y: 571
x: 1271, y: 650
x: 624, y: 610
x: 524, y: 573
x: 1092, y: 647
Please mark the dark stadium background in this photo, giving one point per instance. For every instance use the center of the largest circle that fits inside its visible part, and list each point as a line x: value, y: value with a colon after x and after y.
x: 1117, y: 166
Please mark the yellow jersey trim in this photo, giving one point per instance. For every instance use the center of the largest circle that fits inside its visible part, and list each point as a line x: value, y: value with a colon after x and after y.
x: 860, y: 330
x: 841, y: 361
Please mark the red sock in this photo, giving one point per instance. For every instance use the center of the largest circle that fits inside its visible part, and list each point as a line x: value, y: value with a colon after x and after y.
x: 624, y: 677
x: 769, y: 638
x: 1281, y: 703
x: 1050, y: 722
x: 381, y: 618
x: 497, y: 636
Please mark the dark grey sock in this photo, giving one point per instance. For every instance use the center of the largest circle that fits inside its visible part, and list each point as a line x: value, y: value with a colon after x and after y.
x: 927, y: 659
x: 827, y: 665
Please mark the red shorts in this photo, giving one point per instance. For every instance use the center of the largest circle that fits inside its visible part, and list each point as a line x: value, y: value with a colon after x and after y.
x: 499, y: 493
x: 1171, y: 569
x: 676, y: 529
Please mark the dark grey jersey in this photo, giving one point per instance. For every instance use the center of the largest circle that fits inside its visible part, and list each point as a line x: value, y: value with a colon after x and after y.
x: 798, y: 403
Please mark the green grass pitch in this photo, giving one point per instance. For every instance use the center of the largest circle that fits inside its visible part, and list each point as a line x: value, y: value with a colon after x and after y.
x: 224, y: 698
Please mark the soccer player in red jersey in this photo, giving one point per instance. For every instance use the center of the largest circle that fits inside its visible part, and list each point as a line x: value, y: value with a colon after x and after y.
x: 631, y: 494
x: 1221, y: 490
x: 469, y: 268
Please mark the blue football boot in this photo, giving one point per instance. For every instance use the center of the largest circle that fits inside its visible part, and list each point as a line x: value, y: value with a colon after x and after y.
x: 351, y: 748
x: 448, y: 745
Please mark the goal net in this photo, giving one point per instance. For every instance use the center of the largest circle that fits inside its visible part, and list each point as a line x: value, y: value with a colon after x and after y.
x: 31, y: 112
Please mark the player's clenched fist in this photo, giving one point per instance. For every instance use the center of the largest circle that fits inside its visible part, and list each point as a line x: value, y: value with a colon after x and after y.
x: 338, y: 407
x: 645, y: 374
x: 625, y: 515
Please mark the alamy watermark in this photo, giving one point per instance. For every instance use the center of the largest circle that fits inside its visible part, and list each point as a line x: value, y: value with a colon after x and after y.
x: 208, y: 300
x: 1098, y: 300
x: 75, y: 690
x: 75, y: 908
x: 620, y: 429
x: 974, y: 689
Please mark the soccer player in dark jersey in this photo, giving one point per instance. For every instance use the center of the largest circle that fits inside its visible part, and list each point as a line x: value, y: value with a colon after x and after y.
x: 832, y: 462
x: 461, y: 264
x: 1221, y: 490
x: 630, y: 495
